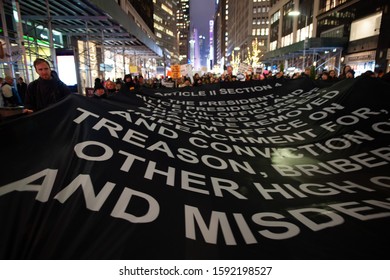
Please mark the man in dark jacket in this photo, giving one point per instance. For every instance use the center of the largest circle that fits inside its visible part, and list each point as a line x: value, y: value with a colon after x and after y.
x: 22, y: 88
x: 44, y: 91
x: 128, y: 85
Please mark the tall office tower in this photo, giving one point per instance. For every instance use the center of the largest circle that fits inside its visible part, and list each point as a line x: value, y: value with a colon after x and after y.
x: 239, y: 25
x: 195, y: 58
x: 210, y: 58
x: 247, y: 20
x: 183, y: 26
x: 203, y: 52
x: 220, y: 33
x: 144, y: 9
x: 166, y: 30
x: 260, y: 23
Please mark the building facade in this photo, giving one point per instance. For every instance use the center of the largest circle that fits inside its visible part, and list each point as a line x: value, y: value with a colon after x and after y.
x: 210, y: 58
x: 195, y: 55
x: 329, y: 34
x: 183, y: 26
x: 241, y: 28
x: 166, y: 29
x: 366, y: 24
x: 99, y: 39
x: 220, y: 35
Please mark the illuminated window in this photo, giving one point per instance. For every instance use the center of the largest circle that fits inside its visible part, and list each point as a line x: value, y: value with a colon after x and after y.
x: 272, y: 45
x: 167, y: 9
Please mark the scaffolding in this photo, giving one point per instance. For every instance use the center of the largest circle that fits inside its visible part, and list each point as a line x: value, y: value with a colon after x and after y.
x: 322, y: 53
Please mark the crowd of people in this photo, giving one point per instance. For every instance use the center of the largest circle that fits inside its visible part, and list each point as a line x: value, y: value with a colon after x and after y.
x: 48, y: 88
x: 135, y: 82
x: 330, y: 76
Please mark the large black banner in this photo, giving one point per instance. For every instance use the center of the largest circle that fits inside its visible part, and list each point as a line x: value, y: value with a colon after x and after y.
x: 246, y: 170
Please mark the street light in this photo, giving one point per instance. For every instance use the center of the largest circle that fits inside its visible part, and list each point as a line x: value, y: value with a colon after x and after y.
x: 294, y: 14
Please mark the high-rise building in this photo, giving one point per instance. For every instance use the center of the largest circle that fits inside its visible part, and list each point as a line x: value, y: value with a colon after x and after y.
x: 195, y: 57
x: 183, y: 26
x: 210, y: 58
x: 201, y: 13
x: 166, y: 29
x: 203, y: 52
x: 220, y: 34
x: 144, y: 9
x: 239, y: 25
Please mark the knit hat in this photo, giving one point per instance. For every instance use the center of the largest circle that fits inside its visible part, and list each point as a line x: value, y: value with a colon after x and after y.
x: 99, y: 86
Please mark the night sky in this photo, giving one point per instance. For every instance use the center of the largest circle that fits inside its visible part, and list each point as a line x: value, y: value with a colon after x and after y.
x: 201, y: 11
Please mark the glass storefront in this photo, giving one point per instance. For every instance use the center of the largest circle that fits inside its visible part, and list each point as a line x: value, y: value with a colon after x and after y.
x: 361, y: 62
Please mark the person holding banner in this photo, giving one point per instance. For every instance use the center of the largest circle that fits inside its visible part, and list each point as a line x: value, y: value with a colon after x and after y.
x: 306, y: 73
x: 128, y: 84
x: 110, y: 88
x: 279, y: 75
x: 99, y: 92
x: 344, y: 72
x: 140, y: 82
x: 229, y: 74
x: 350, y: 74
x: 229, y: 70
x: 184, y: 82
x: 197, y: 80
x: 44, y: 91
x: 333, y: 76
x: 386, y: 77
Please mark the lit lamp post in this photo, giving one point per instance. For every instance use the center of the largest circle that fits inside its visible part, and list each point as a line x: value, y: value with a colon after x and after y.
x: 294, y: 14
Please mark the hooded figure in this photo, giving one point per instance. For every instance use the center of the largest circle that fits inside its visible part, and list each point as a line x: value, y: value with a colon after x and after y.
x: 99, y: 91
x: 128, y: 85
